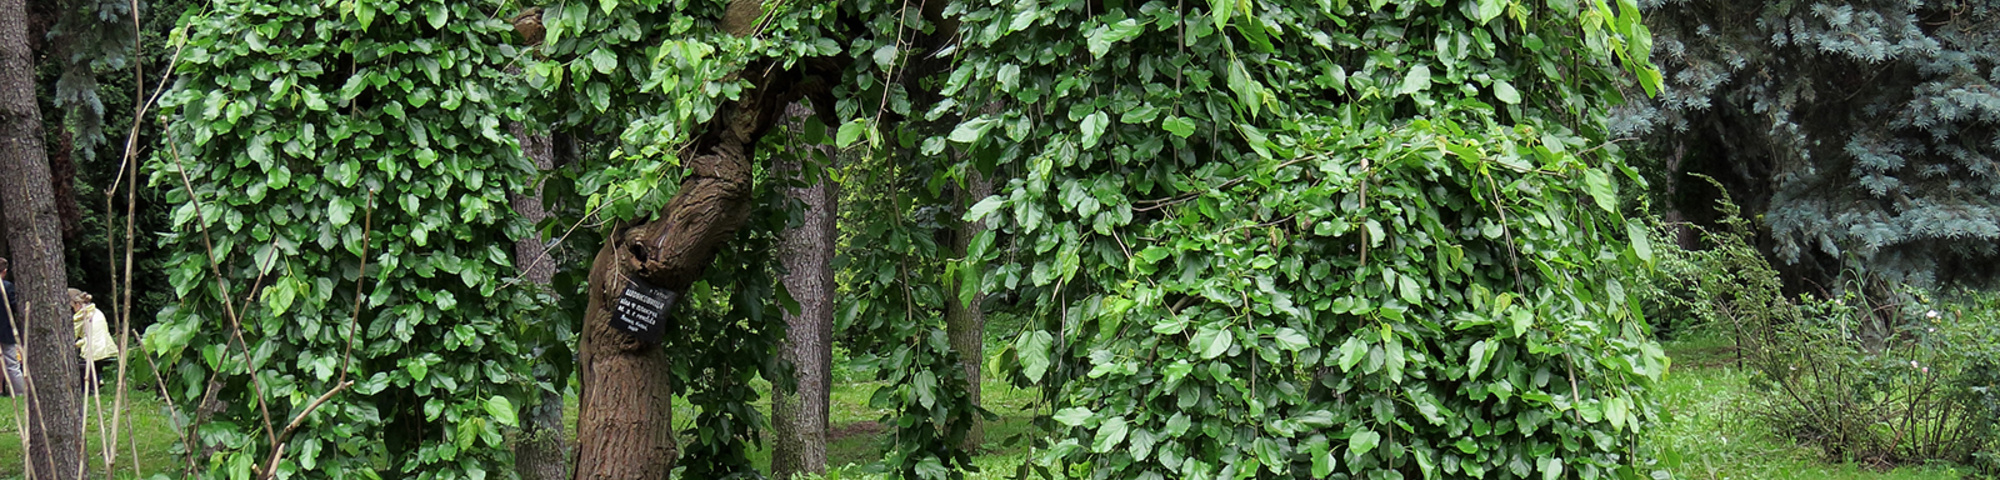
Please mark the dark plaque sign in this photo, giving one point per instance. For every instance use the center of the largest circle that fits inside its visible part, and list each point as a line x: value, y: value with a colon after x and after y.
x: 641, y: 310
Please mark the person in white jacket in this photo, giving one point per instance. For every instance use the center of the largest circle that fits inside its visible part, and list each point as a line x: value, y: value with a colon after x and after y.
x: 93, y: 337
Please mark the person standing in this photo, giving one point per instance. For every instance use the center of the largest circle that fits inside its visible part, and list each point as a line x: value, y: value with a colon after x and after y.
x: 93, y: 337
x: 10, y: 348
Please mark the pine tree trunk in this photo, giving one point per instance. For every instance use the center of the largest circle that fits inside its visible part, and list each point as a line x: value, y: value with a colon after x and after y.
x: 542, y: 452
x: 965, y: 323
x: 799, y: 418
x: 4, y: 251
x: 55, y: 443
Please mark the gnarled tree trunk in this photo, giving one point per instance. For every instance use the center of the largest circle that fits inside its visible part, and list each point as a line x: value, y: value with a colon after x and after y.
x: 625, y: 427
x: 55, y: 443
x: 799, y: 418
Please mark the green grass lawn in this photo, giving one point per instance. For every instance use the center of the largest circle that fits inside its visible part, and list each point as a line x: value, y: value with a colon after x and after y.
x: 1708, y: 434
x: 149, y: 435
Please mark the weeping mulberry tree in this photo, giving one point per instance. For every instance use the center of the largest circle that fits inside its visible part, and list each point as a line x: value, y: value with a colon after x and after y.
x: 339, y: 175
x: 1863, y: 133
x: 1262, y: 238
x: 1329, y: 239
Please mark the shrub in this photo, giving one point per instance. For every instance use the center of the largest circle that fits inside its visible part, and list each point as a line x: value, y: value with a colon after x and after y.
x: 1921, y: 392
x: 1873, y: 374
x: 1722, y: 288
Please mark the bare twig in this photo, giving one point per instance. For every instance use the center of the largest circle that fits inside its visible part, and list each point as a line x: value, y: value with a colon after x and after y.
x: 222, y: 285
x: 354, y: 318
x: 1159, y: 203
x: 278, y: 449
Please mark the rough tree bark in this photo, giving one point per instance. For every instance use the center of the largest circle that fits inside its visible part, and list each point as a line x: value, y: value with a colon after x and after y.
x: 965, y: 323
x: 542, y: 452
x: 62, y: 178
x: 54, y: 430
x: 625, y: 424
x: 4, y: 251
x: 799, y: 418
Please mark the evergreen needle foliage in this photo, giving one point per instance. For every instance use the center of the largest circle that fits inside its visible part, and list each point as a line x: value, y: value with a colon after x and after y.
x: 1864, y: 134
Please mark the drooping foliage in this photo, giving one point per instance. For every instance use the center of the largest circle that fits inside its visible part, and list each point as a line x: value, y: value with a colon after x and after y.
x: 892, y: 310
x: 1862, y: 132
x: 1317, y: 239
x: 317, y: 148
x: 1265, y: 238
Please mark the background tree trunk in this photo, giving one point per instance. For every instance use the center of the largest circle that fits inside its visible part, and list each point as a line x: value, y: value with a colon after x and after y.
x: 54, y: 428
x: 541, y: 454
x: 62, y: 179
x: 965, y: 324
x: 799, y: 418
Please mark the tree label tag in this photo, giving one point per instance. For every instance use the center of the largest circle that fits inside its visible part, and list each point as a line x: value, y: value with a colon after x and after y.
x: 641, y: 308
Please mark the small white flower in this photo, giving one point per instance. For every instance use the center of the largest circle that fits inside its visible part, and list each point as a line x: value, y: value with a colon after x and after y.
x: 1913, y: 364
x: 1931, y: 314
x: 1840, y: 302
x: 1933, y: 330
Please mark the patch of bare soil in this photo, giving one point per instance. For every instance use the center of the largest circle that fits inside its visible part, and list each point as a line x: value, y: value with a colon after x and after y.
x: 856, y: 428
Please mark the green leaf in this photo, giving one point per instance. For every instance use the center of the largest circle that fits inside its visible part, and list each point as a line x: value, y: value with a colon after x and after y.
x: 925, y: 386
x: 603, y: 60
x: 364, y: 12
x: 985, y: 207
x: 1073, y: 416
x: 1179, y: 126
x: 1551, y: 467
x: 278, y: 177
x: 417, y: 368
x: 885, y: 57
x: 1599, y: 186
x: 931, y: 469
x: 501, y: 409
x: 1522, y: 320
x: 1416, y: 80
x: 1033, y: 348
x: 1351, y: 353
x: 1213, y: 342
x: 1248, y: 92
x: 1642, y: 242
x: 850, y: 132
x: 260, y: 150
x: 1477, y: 359
x: 1291, y: 340
x: 1615, y: 410
x: 339, y: 211
x: 1505, y: 92
x: 1093, y: 128
x: 1363, y: 441
x: 279, y: 296
x: 1490, y: 9
x: 1323, y: 463
x: 1109, y: 435
x: 971, y: 130
x: 436, y: 13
